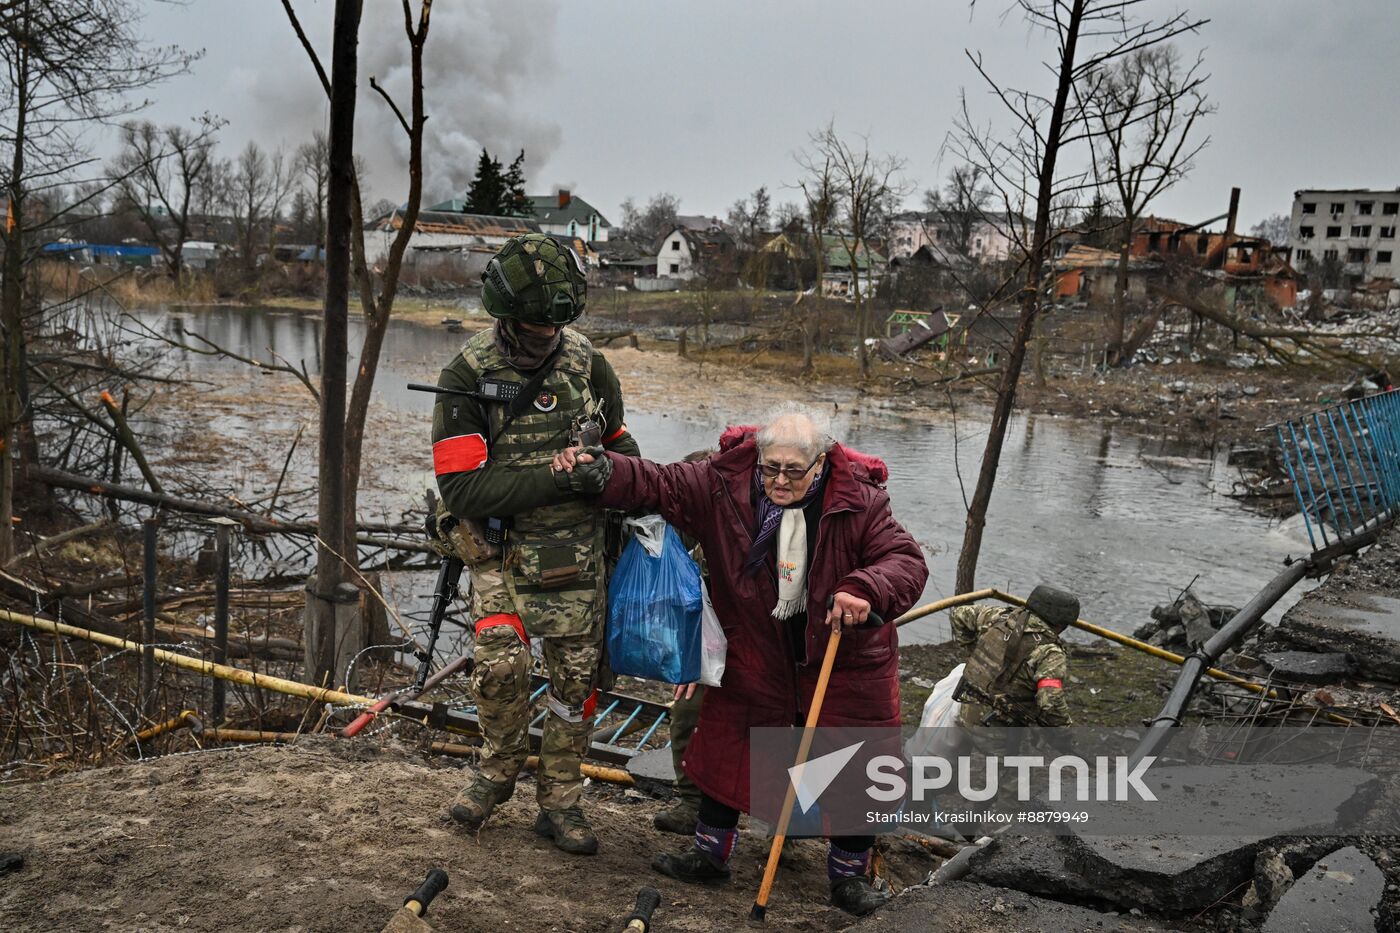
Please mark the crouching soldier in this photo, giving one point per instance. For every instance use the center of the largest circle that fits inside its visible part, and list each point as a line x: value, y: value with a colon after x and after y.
x: 1016, y: 667
x: 523, y: 391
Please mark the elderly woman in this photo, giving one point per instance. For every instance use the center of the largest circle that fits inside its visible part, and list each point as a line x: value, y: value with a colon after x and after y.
x: 789, y: 521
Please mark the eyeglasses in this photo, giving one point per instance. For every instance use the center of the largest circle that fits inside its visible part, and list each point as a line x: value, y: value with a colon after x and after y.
x: 792, y: 473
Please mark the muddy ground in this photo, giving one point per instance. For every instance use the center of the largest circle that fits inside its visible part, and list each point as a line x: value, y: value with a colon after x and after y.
x: 330, y: 835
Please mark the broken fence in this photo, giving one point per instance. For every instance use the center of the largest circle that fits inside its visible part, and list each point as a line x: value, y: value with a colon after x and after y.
x: 1344, y: 465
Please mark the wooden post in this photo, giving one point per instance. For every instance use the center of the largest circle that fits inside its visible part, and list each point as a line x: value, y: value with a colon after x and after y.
x: 222, y: 535
x: 147, y: 691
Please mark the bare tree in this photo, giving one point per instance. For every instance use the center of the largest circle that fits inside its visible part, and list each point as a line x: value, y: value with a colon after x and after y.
x: 158, y: 172
x: 1275, y: 228
x: 257, y: 187
x: 959, y: 210
x: 1142, y: 109
x: 377, y: 304
x: 819, y: 195
x: 1023, y: 168
x: 68, y: 64
x: 865, y: 187
x: 313, y: 165
x: 648, y: 224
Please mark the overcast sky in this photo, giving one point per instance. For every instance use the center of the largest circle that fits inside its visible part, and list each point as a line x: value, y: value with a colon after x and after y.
x: 708, y: 100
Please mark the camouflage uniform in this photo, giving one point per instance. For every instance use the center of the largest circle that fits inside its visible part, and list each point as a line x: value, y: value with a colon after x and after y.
x: 1036, y: 686
x: 549, y: 583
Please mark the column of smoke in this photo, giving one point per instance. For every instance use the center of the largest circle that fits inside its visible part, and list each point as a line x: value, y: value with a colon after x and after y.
x: 479, y: 59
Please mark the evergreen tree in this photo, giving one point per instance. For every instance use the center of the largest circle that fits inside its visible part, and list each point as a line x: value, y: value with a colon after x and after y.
x: 517, y: 203
x: 487, y: 192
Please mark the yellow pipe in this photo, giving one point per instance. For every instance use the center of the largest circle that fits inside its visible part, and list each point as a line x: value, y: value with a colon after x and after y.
x: 223, y: 671
x: 185, y: 716
x: 979, y: 595
x: 262, y: 681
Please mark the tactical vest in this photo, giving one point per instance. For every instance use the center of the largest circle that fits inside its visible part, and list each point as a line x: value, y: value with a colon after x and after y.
x: 1000, y: 652
x: 552, y: 560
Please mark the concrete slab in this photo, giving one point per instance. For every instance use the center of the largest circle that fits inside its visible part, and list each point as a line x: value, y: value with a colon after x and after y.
x: 966, y: 907
x: 1310, y: 667
x: 1361, y: 623
x: 1037, y: 864
x: 1343, y: 891
x: 653, y: 771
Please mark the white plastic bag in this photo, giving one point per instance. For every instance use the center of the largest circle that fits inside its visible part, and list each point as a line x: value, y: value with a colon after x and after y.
x: 940, y: 715
x: 650, y: 530
x: 713, y: 645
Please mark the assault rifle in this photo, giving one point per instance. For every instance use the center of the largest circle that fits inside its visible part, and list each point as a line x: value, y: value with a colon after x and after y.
x: 449, y: 576
x: 1016, y: 713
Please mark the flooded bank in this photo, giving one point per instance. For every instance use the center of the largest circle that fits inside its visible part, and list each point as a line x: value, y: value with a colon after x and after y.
x: 1125, y: 521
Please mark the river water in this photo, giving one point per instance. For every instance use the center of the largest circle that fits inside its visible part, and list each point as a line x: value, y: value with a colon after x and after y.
x: 1122, y: 520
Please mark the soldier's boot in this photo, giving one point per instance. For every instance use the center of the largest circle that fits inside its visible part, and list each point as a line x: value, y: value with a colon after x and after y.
x: 858, y: 896
x: 679, y: 817
x: 569, y: 830
x: 478, y: 799
x: 692, y: 867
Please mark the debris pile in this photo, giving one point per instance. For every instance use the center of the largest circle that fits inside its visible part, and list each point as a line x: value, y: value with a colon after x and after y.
x: 1184, y: 624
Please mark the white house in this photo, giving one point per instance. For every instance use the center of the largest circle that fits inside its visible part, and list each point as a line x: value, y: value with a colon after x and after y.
x: 685, y: 253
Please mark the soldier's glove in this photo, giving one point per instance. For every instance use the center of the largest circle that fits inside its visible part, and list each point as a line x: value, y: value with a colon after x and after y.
x: 590, y: 479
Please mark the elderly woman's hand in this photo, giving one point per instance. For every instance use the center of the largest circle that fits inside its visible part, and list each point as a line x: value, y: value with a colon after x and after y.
x: 847, y: 611
x: 566, y: 459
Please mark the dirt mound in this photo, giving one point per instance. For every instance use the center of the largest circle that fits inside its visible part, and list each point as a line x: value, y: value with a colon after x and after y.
x: 330, y: 835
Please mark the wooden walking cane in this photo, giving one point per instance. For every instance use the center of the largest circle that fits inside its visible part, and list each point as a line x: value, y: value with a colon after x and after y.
x: 770, y: 870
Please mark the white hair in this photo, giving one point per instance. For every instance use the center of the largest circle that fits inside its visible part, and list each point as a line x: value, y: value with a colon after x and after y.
x: 792, y: 424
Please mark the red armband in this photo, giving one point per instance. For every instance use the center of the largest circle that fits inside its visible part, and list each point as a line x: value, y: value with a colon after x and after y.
x: 460, y: 454
x: 615, y: 435
x: 1046, y: 682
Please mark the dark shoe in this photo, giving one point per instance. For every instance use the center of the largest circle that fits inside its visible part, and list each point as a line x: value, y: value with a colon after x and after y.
x: 678, y: 818
x: 569, y: 830
x: 858, y: 896
x: 476, y: 801
x: 692, y: 867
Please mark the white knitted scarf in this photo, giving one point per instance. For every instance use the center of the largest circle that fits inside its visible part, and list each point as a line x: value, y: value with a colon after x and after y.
x: 792, y: 564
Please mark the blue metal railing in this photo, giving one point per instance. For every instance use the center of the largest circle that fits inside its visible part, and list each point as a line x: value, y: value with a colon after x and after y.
x: 1344, y: 465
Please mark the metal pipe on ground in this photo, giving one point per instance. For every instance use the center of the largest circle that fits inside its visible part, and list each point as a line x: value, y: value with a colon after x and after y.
x: 1159, y: 729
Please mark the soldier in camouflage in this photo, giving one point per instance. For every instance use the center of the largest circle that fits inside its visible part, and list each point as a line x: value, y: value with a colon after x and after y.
x: 1016, y: 660
x: 526, y: 389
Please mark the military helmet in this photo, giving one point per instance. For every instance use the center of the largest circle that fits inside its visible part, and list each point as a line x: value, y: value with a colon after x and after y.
x: 537, y: 279
x: 1058, y: 608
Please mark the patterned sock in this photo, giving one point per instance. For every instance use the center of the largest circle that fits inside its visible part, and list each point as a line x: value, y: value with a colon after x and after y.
x: 716, y: 844
x: 841, y: 864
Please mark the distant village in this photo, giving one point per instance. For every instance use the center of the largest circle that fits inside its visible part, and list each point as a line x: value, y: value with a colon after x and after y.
x: 1337, y: 240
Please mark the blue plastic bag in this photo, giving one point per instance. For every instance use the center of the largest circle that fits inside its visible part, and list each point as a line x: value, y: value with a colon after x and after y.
x: 654, y: 607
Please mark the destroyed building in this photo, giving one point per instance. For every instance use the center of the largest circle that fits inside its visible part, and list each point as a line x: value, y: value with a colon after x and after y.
x: 1349, y: 230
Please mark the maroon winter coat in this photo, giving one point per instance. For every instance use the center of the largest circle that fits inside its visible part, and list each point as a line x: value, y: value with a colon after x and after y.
x: 860, y: 549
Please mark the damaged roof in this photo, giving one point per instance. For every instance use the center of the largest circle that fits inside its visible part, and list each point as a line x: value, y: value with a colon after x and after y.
x: 461, y: 224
